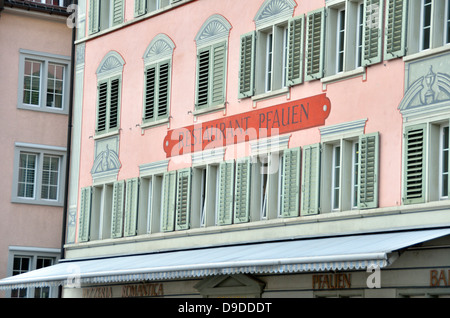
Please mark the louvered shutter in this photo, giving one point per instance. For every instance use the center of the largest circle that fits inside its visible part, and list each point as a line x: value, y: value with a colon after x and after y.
x: 131, y: 207
x: 414, y: 164
x: 395, y: 29
x: 94, y: 15
x: 315, y: 36
x: 295, y: 51
x: 117, y: 209
x: 225, y: 196
x: 117, y: 13
x: 114, y: 104
x: 368, y: 171
x: 163, y: 89
x: 168, y: 201
x: 150, y: 93
x: 242, y: 191
x: 310, y: 180
x: 203, y: 77
x: 247, y: 65
x: 102, y: 106
x: 84, y: 220
x: 183, y: 208
x: 290, y: 185
x: 140, y: 7
x: 372, y: 30
x: 218, y: 77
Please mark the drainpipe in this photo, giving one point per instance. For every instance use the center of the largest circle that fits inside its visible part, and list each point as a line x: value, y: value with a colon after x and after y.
x: 69, y: 144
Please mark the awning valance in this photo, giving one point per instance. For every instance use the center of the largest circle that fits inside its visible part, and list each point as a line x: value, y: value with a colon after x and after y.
x: 351, y: 252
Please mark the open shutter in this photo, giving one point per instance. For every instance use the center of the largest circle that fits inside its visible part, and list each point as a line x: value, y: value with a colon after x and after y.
x: 225, y: 196
x: 117, y: 209
x: 295, y: 65
x: 84, y: 220
x: 372, y: 30
x: 310, y: 180
x: 247, y: 65
x: 290, y: 186
x: 183, y: 208
x: 242, y: 191
x: 395, y: 29
x: 114, y: 104
x: 315, y: 37
x: 163, y: 89
x: 414, y: 164
x: 203, y: 77
x: 219, y: 52
x: 140, y: 7
x: 168, y: 201
x: 117, y: 13
x: 368, y: 171
x: 94, y: 15
x: 131, y: 207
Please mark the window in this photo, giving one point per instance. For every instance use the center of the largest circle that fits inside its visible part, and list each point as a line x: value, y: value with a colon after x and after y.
x: 212, y: 52
x: 105, y: 14
x: 425, y: 24
x: 157, y: 80
x: 447, y: 22
x: 144, y: 6
x: 444, y: 161
x: 43, y: 82
x: 51, y: 2
x: 38, y: 174
x: 22, y: 260
x: 109, y: 86
x: 359, y: 35
x: 340, y: 41
x: 335, y: 177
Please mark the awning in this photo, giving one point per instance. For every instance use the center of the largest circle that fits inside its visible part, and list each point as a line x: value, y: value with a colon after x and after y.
x: 350, y: 252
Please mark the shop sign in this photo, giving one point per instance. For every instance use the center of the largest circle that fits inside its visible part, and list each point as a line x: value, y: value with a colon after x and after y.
x: 262, y: 123
x: 439, y: 278
x: 331, y: 281
x: 98, y: 292
x: 138, y: 290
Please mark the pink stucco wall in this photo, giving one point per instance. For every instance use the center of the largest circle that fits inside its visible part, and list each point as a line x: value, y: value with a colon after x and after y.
x: 25, y: 224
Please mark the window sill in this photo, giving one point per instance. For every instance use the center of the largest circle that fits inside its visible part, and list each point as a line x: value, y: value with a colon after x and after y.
x: 105, y: 135
x: 271, y: 94
x: 343, y: 76
x: 43, y: 109
x: 210, y: 109
x: 151, y: 124
x: 37, y: 202
x: 426, y: 53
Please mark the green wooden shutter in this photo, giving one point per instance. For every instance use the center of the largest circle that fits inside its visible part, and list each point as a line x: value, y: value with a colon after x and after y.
x: 102, y: 106
x: 310, y: 180
x: 414, y: 164
x: 203, y: 77
x: 150, y: 93
x: 372, y: 30
x: 295, y: 51
x: 117, y: 13
x: 168, y: 201
x: 225, y: 196
x: 247, y: 65
x: 114, y: 104
x: 140, y: 7
x: 84, y: 220
x: 242, y: 191
x: 183, y: 209
x: 368, y: 171
x: 395, y: 29
x: 117, y: 209
x: 163, y: 89
x: 290, y: 185
x: 218, y: 77
x: 131, y: 207
x: 94, y: 16
x: 315, y: 37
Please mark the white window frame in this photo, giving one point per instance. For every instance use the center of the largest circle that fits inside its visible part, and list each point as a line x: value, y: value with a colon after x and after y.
x: 442, y: 130
x: 447, y: 23
x: 44, y: 59
x: 341, y: 38
x: 61, y: 2
x: 40, y: 151
x: 359, y: 35
x: 336, y: 166
x: 354, y: 174
x: 423, y: 27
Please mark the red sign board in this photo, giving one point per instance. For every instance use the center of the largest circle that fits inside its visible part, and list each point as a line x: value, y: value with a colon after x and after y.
x: 262, y: 123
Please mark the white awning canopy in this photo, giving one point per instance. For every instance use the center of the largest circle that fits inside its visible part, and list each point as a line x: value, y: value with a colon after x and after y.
x: 291, y: 256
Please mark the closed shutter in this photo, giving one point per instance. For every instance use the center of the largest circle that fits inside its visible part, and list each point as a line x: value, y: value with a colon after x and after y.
x: 225, y: 195
x: 168, y: 201
x: 315, y: 36
x: 310, y: 180
x: 140, y: 7
x: 114, y: 104
x: 373, y: 21
x: 117, y: 13
x: 242, y: 191
x: 414, y: 164
x: 218, y: 77
x: 102, y: 108
x: 117, y: 209
x: 395, y: 29
x: 163, y: 89
x: 84, y: 220
x: 150, y: 93
x: 368, y: 171
x: 203, y: 64
x: 183, y: 208
x: 290, y: 184
x: 131, y: 207
x: 94, y: 15
x: 247, y: 67
x: 295, y: 65
x: 156, y: 99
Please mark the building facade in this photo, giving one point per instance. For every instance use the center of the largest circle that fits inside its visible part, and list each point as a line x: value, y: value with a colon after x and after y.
x: 276, y: 148
x: 34, y: 105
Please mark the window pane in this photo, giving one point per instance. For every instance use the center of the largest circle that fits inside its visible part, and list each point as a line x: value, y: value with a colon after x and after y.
x: 55, y: 85
x: 32, y: 82
x: 50, y: 176
x: 27, y: 172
